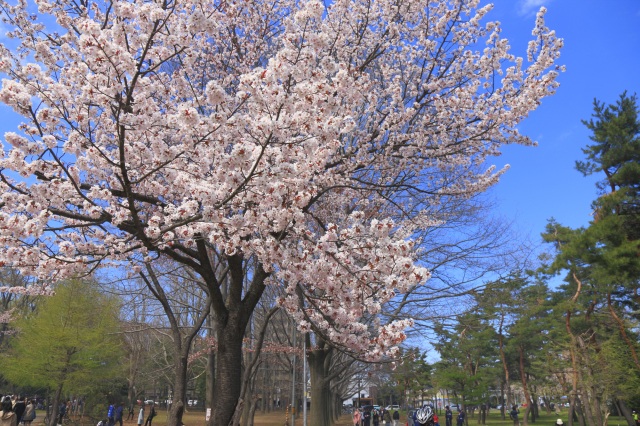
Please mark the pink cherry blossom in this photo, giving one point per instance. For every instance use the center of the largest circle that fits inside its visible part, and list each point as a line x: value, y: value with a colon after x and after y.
x: 288, y: 134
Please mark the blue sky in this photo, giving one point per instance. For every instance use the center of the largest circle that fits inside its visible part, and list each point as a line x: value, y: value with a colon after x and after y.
x: 602, y: 57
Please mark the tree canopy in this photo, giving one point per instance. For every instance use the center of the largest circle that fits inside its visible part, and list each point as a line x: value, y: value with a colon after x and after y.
x: 294, y: 144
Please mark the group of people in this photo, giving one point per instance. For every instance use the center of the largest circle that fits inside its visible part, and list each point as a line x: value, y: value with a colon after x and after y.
x: 424, y: 416
x: 115, y: 414
x: 375, y: 417
x: 152, y: 414
x: 69, y: 407
x: 16, y: 409
x: 427, y: 416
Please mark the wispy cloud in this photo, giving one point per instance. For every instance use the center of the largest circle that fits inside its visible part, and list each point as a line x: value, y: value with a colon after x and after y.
x: 528, y: 7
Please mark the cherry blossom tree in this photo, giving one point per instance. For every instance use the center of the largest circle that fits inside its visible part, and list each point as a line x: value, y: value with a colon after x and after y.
x: 293, y: 144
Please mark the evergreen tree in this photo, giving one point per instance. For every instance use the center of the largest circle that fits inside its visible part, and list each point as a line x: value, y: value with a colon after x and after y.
x: 603, y: 265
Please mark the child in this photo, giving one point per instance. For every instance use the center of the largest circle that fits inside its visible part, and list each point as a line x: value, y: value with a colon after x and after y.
x: 435, y: 420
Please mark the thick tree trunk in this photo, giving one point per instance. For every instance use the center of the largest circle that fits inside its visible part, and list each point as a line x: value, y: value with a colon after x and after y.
x: 228, y: 379
x: 252, y: 412
x: 320, y: 413
x: 579, y: 411
x: 174, y: 416
x: 626, y: 412
x: 211, y: 364
x: 55, y: 404
x: 233, y: 303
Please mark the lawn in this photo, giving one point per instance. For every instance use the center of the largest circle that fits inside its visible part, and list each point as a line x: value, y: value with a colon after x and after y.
x: 277, y: 418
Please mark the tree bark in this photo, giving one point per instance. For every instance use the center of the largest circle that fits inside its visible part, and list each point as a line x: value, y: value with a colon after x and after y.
x: 318, y: 360
x: 250, y: 371
x: 174, y: 416
x: 211, y: 363
x: 505, y: 367
x: 626, y: 412
x: 232, y: 312
x: 53, y: 416
x: 229, y: 369
x: 525, y: 388
x: 182, y: 342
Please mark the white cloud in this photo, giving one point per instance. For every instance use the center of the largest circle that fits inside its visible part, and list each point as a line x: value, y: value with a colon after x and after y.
x: 528, y: 7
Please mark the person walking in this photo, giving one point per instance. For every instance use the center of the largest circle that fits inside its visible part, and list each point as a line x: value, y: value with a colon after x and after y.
x: 152, y: 414
x: 111, y: 414
x: 29, y: 413
x: 376, y: 418
x: 7, y: 416
x: 119, y: 413
x: 448, y: 416
x: 357, y: 417
x: 396, y: 418
x: 130, y: 415
x: 386, y: 417
x: 141, y: 415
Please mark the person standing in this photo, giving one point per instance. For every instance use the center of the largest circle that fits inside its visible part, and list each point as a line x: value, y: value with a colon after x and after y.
x: 461, y: 417
x: 514, y: 415
x: 62, y: 411
x: 29, y: 413
x: 130, y: 415
x: 152, y: 414
x: 7, y: 416
x: 120, y: 413
x: 141, y: 415
x: 448, y: 416
x: 366, y: 418
x: 18, y: 407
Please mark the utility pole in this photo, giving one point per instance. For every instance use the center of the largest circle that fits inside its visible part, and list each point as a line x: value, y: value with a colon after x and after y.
x: 293, y: 378
x: 304, y: 382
